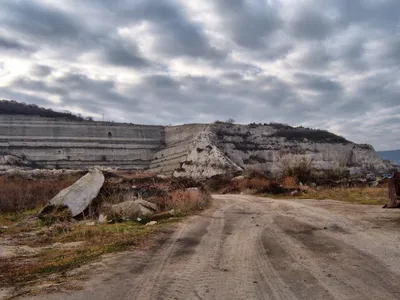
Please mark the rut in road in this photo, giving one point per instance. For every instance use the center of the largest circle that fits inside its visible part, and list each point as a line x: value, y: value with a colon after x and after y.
x: 257, y: 248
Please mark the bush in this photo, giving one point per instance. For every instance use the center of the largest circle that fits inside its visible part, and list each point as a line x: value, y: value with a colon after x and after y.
x: 296, y: 166
x: 252, y: 184
x: 216, y: 182
x: 289, y: 182
x: 185, y: 201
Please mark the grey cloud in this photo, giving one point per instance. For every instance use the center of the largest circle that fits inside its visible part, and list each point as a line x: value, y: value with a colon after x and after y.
x: 232, y: 75
x: 345, y: 59
x: 318, y: 83
x: 9, y: 44
x: 99, y: 90
x: 75, y: 89
x: 125, y: 55
x: 26, y: 84
x: 45, y: 26
x: 11, y: 94
x: 176, y: 34
x: 37, y: 21
x: 310, y: 25
x: 380, y: 88
x: 352, y: 55
x: 41, y: 70
x: 389, y: 54
x: 379, y: 14
x: 248, y: 23
x: 161, y: 81
x: 315, y: 57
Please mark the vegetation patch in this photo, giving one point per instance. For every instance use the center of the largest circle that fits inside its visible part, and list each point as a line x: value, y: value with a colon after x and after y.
x: 367, y: 195
x: 18, y: 108
x: 22, y: 270
x: 19, y: 193
x: 314, y: 135
x: 37, y: 247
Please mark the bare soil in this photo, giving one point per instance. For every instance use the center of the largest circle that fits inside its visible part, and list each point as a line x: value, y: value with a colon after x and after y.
x: 259, y: 248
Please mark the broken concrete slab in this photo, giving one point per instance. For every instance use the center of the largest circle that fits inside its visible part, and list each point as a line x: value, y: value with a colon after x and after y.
x: 81, y: 194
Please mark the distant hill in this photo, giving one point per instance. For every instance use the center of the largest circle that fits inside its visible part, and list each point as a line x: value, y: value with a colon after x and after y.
x: 19, y: 108
x: 393, y: 155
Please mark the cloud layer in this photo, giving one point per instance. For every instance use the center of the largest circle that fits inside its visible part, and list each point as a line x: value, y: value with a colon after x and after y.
x: 330, y: 64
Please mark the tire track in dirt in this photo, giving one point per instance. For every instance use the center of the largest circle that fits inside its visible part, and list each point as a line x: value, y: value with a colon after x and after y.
x: 366, y: 276
x: 255, y: 248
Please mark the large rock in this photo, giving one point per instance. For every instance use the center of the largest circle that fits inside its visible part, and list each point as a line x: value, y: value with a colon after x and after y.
x: 81, y: 194
x: 133, y: 209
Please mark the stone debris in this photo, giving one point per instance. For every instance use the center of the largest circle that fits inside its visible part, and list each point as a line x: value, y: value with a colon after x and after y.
x: 81, y: 194
x: 90, y: 224
x: 102, y: 219
x: 151, y: 223
x: 133, y: 209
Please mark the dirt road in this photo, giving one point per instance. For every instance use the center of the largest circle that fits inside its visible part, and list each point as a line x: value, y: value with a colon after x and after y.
x: 257, y: 248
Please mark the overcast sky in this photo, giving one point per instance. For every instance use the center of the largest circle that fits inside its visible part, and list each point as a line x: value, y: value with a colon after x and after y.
x: 331, y: 64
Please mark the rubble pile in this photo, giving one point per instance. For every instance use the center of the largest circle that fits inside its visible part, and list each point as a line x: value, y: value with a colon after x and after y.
x: 112, y: 197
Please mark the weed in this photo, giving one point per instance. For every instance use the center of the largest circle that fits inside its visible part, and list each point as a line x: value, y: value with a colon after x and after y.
x: 18, y: 193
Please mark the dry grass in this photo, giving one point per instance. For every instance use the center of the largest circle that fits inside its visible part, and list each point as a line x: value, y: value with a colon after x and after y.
x: 252, y: 183
x: 260, y: 185
x: 18, y: 193
x: 289, y: 182
x: 187, y: 201
x: 96, y: 241
x: 366, y: 195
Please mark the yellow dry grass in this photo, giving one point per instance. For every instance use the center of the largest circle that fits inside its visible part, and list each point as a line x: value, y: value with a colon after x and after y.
x: 96, y: 241
x: 366, y: 195
x: 186, y: 201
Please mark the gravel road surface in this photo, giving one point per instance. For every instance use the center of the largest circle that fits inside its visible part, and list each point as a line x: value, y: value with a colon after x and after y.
x: 259, y: 248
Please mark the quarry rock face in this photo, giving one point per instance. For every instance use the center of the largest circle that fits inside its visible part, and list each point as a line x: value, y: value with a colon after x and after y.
x: 269, y: 148
x: 57, y: 143
x: 192, y: 150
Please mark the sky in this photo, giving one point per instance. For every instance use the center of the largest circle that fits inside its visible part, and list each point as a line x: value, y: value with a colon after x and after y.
x: 331, y: 64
